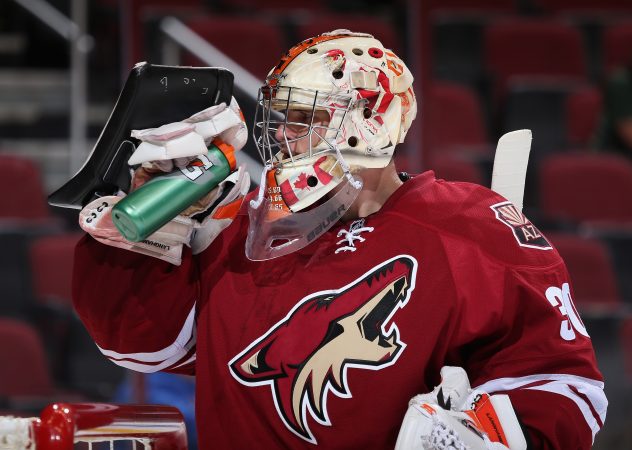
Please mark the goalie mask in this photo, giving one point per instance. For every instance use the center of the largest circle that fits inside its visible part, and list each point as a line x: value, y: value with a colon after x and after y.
x: 333, y: 105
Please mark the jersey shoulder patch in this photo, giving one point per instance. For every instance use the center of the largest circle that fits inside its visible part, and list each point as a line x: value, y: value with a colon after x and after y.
x: 525, y: 233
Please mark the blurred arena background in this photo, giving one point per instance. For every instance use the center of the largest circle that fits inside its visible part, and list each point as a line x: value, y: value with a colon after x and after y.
x: 482, y: 68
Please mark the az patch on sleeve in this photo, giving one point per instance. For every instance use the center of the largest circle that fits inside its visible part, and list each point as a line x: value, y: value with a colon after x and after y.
x: 523, y: 230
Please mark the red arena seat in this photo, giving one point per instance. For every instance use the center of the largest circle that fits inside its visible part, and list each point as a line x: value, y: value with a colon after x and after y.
x: 275, y: 6
x: 454, y: 122
x: 457, y: 169
x: 524, y: 48
x: 29, y: 201
x: 582, y: 6
x: 583, y: 113
x: 24, y: 371
x: 591, y: 187
x: 381, y: 29
x: 592, y: 272
x: 253, y: 44
x: 483, y: 6
x: 51, y: 260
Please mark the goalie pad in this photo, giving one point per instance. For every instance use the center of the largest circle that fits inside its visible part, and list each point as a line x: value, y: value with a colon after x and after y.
x: 454, y: 417
x: 172, y: 141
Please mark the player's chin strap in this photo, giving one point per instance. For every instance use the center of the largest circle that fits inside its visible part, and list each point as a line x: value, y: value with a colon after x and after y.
x: 345, y: 168
x: 453, y: 416
x: 254, y: 204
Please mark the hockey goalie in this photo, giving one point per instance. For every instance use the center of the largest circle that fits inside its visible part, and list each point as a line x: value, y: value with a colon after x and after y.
x: 340, y: 304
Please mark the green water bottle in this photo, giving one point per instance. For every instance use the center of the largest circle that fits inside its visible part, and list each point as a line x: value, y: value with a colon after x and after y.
x: 162, y: 198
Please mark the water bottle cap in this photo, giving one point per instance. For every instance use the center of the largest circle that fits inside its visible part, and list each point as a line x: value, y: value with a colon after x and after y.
x: 228, y: 151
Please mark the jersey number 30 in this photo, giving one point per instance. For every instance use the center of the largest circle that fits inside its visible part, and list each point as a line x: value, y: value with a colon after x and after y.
x: 561, y: 299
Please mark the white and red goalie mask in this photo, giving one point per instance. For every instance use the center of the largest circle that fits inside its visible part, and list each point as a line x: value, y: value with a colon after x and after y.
x: 335, y: 104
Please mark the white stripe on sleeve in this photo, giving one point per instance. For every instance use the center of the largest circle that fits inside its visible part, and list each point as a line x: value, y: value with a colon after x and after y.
x: 563, y: 389
x: 592, y: 398
x: 159, y: 360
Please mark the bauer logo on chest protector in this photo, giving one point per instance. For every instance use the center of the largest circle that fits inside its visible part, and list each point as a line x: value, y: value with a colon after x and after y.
x: 307, y: 355
x: 524, y: 231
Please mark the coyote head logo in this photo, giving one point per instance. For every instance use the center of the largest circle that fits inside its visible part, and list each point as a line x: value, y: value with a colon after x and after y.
x: 306, y: 355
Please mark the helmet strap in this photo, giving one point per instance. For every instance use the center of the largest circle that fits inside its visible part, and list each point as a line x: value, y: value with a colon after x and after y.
x: 262, y: 187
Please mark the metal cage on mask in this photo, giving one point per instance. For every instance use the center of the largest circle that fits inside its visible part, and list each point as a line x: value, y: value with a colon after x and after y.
x: 301, y: 154
x: 273, y: 105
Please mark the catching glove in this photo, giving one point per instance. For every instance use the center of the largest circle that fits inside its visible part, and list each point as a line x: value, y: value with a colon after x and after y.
x: 454, y: 417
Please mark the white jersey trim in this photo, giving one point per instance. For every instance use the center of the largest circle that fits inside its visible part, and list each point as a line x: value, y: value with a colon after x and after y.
x: 563, y: 389
x: 505, y: 384
x: 155, y: 361
x: 560, y: 384
x: 188, y: 361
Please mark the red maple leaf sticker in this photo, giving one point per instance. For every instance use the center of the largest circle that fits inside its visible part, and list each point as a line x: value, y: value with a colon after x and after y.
x: 301, y: 182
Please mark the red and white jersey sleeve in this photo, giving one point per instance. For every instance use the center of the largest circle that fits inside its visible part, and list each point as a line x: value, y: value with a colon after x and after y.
x: 548, y: 366
x: 140, y: 311
x: 540, y: 354
x: 518, y: 330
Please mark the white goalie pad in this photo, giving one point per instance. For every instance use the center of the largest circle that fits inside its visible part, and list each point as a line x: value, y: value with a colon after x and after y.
x: 453, y: 391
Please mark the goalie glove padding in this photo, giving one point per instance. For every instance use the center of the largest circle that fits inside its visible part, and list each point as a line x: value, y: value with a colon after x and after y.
x: 166, y: 244
x: 177, y: 143
x: 492, y: 426
x: 454, y: 417
x: 453, y: 391
x: 231, y: 194
x: 494, y: 414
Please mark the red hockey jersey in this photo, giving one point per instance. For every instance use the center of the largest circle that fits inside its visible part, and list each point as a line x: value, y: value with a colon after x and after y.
x: 323, y: 348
